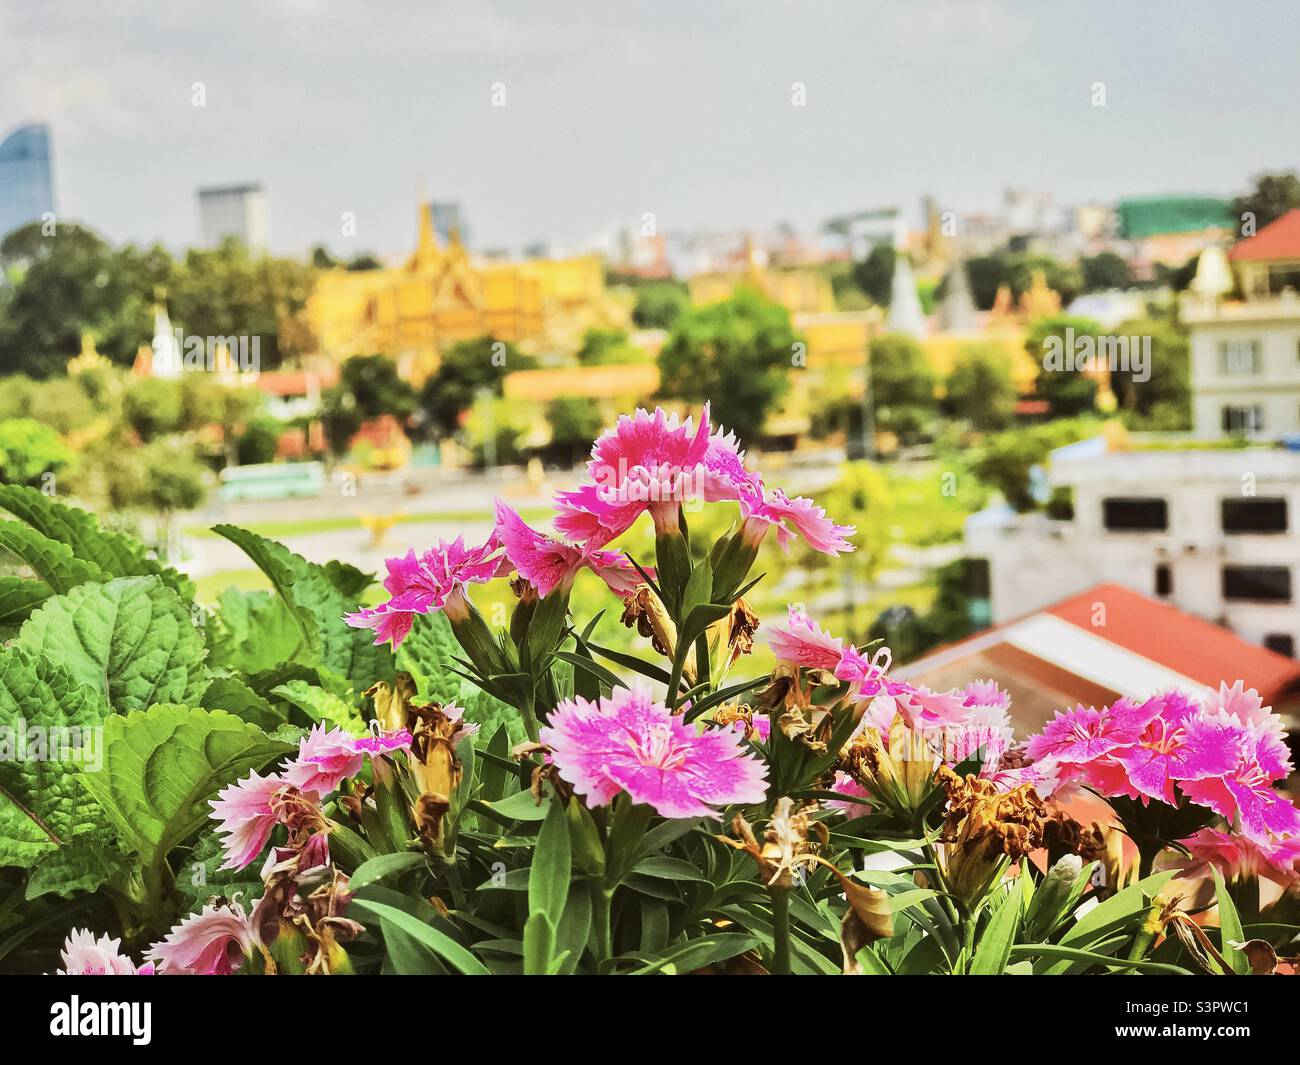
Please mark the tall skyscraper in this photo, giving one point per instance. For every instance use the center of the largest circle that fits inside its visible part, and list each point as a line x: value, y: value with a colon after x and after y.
x: 26, y: 181
x: 233, y: 211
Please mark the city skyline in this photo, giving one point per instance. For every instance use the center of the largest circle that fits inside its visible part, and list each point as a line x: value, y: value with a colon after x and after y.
x: 621, y: 113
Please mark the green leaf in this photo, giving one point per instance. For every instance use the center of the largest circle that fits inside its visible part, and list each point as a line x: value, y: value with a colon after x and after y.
x: 442, y: 945
x: 84, y: 863
x: 1230, y: 930
x: 316, y: 608
x: 19, y: 597
x: 320, y: 705
x: 701, y: 952
x: 41, y: 803
x: 162, y: 765
x: 521, y: 806
x: 131, y: 639
x: 994, y: 950
x: 382, y: 866
x: 347, y: 578
x: 1122, y: 912
x: 230, y: 693
x: 51, y: 561
x: 584, y: 839
x: 1074, y: 954
x: 427, y: 653
x: 539, y: 944
x: 252, y: 631
x: 662, y: 867
x: 115, y: 554
x: 552, y: 866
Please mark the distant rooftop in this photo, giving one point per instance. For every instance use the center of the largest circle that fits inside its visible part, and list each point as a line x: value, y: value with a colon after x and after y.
x: 1279, y: 240
x: 1152, y: 216
x: 229, y: 190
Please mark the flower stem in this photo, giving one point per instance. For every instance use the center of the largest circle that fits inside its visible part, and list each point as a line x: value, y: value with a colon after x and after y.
x: 780, y: 930
x: 601, y: 899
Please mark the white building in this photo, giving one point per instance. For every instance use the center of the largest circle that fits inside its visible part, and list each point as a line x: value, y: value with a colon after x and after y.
x: 1214, y: 532
x: 1245, y: 354
x: 234, y: 211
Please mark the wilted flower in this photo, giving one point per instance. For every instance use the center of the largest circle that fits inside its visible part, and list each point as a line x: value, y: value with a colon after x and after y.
x: 985, y: 829
x: 214, y: 942
x: 435, y: 766
x: 435, y: 580
x: 629, y: 742
x: 547, y: 563
x: 84, y: 955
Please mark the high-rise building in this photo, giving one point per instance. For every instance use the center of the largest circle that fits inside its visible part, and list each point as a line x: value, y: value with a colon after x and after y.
x: 233, y: 211
x: 26, y: 181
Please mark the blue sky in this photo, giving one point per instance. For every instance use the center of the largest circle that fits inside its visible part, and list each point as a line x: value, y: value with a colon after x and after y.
x: 615, y: 108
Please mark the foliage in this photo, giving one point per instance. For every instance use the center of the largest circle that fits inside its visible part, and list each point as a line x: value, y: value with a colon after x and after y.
x: 1164, y: 401
x: 29, y: 450
x: 902, y: 385
x: 376, y: 387
x: 1269, y: 198
x: 608, y: 347
x: 1015, y: 271
x: 1004, y: 461
x: 980, y: 388
x: 1104, y: 271
x: 874, y: 275
x: 574, y: 423
x: 738, y: 353
x: 1069, y: 391
x: 659, y: 304
x: 467, y: 369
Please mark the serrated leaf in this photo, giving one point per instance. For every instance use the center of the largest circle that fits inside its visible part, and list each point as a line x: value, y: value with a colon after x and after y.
x: 320, y: 705
x: 51, y: 561
x: 116, y: 554
x: 316, y: 608
x: 252, y: 631
x: 41, y: 802
x: 131, y: 639
x: 19, y: 597
x: 428, y: 651
x: 162, y: 765
x: 84, y: 863
x: 230, y: 693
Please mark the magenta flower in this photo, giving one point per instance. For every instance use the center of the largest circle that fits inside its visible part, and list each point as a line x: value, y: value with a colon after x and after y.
x: 805, y: 643
x: 1080, y: 736
x: 1244, y: 795
x: 845, y: 785
x: 1177, y: 745
x: 435, y: 580
x: 212, y: 943
x: 791, y: 518
x: 629, y: 742
x: 245, y: 815
x: 1238, y: 857
x: 327, y: 757
x: 547, y: 563
x: 84, y: 955
x: 647, y: 462
x: 1246, y: 706
x: 985, y: 693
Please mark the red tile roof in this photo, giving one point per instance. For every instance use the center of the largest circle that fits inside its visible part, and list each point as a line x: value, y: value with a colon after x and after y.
x: 1280, y: 239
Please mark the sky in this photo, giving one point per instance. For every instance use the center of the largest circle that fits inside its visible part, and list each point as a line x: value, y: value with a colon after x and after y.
x: 616, y: 107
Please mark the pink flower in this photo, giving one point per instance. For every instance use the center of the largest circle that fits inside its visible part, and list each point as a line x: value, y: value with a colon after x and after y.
x: 547, y: 563
x: 435, y: 580
x: 245, y: 815
x: 84, y: 955
x: 1238, y: 857
x: 452, y: 712
x: 212, y: 943
x: 985, y: 693
x: 791, y: 517
x: 647, y: 462
x: 805, y: 643
x: 1177, y: 745
x: 1246, y: 706
x: 1084, y: 734
x: 628, y: 742
x: 1244, y: 794
x: 845, y: 785
x: 327, y: 757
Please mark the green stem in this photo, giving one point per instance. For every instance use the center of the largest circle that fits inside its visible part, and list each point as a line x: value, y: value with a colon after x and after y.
x: 967, y: 942
x: 601, y: 900
x: 780, y: 930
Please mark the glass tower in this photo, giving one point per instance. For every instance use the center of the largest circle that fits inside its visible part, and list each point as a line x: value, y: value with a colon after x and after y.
x: 26, y: 185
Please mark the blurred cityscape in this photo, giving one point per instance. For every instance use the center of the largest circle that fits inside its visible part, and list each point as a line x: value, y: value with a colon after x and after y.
x: 1068, y: 433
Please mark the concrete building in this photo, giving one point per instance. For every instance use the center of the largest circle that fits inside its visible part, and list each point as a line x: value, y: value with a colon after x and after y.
x: 1245, y: 353
x: 1213, y: 532
x: 26, y: 178
x: 234, y: 211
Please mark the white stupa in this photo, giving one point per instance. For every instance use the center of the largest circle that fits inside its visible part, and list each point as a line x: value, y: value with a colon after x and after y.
x: 905, y: 315
x: 166, y: 360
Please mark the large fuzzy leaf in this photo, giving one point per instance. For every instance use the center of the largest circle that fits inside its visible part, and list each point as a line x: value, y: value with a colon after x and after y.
x: 162, y: 765
x: 429, y: 654
x: 41, y: 803
x: 19, y: 597
x: 130, y: 638
x: 316, y: 607
x: 113, y: 553
x: 252, y: 631
x: 51, y: 561
x: 84, y: 863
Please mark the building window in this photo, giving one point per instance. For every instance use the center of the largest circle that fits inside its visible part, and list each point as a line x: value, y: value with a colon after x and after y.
x: 1238, y: 357
x: 1254, y: 515
x: 1164, y: 581
x: 1258, y: 584
x: 1135, y: 515
x: 1281, y: 642
x: 1243, y: 419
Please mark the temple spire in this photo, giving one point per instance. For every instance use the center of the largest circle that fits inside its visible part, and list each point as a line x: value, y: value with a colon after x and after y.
x: 905, y: 314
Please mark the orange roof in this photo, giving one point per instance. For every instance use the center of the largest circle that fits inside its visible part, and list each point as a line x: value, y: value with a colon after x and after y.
x: 294, y: 382
x: 1280, y: 239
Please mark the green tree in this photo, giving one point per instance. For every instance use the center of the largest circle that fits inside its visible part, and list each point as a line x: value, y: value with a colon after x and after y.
x: 1015, y: 270
x: 153, y: 407
x: 607, y: 347
x: 1164, y: 400
x: 1105, y: 271
x: 659, y: 303
x: 875, y: 274
x: 377, y: 387
x: 259, y: 442
x: 575, y: 422
x: 1271, y: 196
x: 1004, y: 460
x: 902, y: 384
x: 737, y: 354
x: 30, y: 450
x: 980, y: 388
x: 1053, y: 343
x: 467, y: 369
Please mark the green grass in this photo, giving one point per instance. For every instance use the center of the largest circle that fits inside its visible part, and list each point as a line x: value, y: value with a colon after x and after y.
x: 206, y: 589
